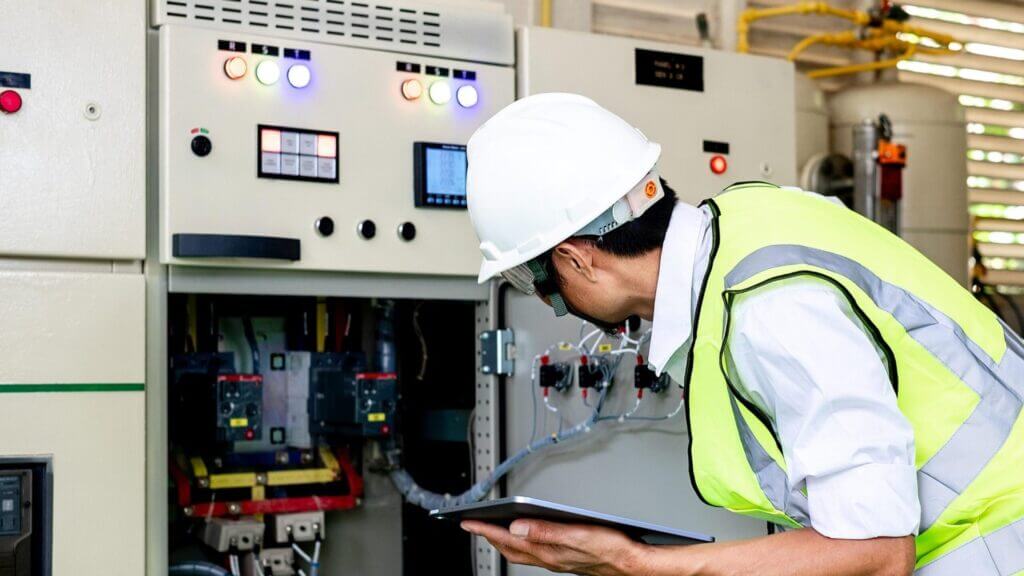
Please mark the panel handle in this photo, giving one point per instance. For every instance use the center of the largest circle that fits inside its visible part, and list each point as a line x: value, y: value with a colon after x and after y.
x: 235, y: 246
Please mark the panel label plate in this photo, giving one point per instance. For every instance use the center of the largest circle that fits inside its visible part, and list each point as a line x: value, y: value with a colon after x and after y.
x: 670, y: 70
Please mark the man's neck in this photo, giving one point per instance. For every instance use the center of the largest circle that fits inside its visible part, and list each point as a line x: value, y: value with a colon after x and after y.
x: 640, y: 279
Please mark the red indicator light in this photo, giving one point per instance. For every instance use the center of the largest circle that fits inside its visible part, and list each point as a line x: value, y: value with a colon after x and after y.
x: 249, y: 434
x: 385, y: 429
x: 718, y: 164
x: 10, y: 101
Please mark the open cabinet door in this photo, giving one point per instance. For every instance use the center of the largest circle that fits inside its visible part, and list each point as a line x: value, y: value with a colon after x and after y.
x: 633, y: 468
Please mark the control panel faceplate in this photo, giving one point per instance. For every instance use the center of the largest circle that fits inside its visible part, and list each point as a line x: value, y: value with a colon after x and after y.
x: 367, y: 108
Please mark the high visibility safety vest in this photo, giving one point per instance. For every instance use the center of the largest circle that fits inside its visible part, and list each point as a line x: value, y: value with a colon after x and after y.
x: 957, y: 370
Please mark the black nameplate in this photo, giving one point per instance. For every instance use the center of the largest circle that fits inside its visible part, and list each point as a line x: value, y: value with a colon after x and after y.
x: 670, y: 70
x: 15, y: 80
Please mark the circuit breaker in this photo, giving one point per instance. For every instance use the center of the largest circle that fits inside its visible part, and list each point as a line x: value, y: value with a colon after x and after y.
x: 347, y: 401
x: 323, y: 135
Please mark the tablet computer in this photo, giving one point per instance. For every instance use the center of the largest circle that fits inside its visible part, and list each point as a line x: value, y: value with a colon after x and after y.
x: 504, y: 510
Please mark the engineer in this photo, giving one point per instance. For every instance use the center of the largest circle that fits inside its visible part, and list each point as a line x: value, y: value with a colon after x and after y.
x: 839, y: 385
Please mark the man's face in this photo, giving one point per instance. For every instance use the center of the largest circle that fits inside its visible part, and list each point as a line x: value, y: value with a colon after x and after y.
x: 590, y: 291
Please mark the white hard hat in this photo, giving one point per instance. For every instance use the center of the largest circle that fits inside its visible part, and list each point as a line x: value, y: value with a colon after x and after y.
x: 549, y: 166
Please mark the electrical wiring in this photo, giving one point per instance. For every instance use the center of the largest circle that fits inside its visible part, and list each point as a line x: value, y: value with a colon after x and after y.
x: 423, y: 342
x: 256, y: 565
x: 416, y: 495
x: 250, y: 337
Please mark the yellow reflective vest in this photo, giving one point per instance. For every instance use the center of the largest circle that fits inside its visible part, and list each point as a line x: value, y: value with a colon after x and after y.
x: 957, y: 370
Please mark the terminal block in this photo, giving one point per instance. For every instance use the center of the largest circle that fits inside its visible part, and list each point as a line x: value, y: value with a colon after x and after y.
x: 645, y: 379
x: 277, y: 562
x: 226, y: 535
x: 557, y: 375
x: 303, y: 527
x: 594, y: 372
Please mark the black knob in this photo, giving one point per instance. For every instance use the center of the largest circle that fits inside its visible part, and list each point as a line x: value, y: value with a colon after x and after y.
x: 252, y: 410
x: 407, y: 231
x: 324, y: 226
x: 367, y: 229
x: 201, y: 146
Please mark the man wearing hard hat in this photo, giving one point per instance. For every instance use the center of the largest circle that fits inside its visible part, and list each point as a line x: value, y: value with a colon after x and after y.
x: 838, y: 384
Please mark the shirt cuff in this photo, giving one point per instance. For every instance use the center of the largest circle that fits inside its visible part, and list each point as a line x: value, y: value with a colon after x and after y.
x: 866, y: 501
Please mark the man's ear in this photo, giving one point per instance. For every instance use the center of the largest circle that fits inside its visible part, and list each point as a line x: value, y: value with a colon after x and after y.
x: 575, y: 255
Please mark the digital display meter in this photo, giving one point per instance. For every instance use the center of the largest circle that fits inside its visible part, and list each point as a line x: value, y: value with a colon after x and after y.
x: 439, y: 175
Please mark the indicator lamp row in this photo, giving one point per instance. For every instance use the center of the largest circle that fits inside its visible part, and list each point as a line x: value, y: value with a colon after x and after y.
x: 440, y: 92
x: 268, y: 72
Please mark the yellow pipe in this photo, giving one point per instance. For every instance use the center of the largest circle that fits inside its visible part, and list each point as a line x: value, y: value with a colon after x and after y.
x: 545, y: 13
x: 865, y: 67
x: 883, y: 37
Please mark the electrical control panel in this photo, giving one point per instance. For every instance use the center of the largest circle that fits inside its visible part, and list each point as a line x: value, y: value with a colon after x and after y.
x: 283, y: 149
x: 25, y: 516
x: 720, y: 117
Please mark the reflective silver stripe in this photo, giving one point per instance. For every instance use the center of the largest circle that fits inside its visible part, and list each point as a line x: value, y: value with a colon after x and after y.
x: 1000, y: 553
x: 999, y: 386
x: 770, y: 476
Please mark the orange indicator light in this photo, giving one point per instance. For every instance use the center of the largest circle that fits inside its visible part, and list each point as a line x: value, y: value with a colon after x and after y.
x: 412, y: 89
x: 235, y: 67
x: 326, y: 145
x: 270, y: 140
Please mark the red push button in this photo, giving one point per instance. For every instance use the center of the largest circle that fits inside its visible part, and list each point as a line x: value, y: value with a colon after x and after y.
x: 719, y: 165
x: 10, y: 101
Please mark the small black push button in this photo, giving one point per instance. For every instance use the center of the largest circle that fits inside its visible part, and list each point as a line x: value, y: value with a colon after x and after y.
x: 201, y: 146
x: 324, y: 226
x: 407, y: 231
x: 367, y: 229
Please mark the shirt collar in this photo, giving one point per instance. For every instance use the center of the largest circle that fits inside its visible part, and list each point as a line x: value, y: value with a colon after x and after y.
x: 673, y: 301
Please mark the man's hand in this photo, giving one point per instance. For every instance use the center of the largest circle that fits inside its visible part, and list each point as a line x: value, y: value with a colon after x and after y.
x: 597, y: 551
x: 577, y: 549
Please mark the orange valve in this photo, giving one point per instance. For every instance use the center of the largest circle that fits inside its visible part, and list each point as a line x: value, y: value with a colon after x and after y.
x: 235, y: 67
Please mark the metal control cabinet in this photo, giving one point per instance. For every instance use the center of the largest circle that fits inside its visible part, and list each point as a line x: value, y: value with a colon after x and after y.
x: 696, y: 103
x: 319, y: 177
x: 72, y: 167
x: 71, y: 387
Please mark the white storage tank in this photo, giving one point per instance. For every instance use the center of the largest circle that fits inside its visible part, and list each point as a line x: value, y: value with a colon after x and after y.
x: 930, y: 122
x: 812, y: 121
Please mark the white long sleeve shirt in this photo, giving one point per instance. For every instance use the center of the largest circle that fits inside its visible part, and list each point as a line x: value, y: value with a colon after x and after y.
x: 803, y: 357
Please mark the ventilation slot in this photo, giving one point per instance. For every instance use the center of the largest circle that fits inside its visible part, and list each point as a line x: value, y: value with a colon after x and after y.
x: 382, y: 22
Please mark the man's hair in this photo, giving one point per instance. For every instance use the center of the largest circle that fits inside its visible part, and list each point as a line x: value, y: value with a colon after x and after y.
x: 632, y: 239
x: 640, y: 236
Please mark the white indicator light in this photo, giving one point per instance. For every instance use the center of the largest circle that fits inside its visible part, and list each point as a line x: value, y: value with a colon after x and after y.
x: 440, y: 92
x: 467, y: 96
x: 299, y: 75
x: 267, y: 72
x: 235, y: 67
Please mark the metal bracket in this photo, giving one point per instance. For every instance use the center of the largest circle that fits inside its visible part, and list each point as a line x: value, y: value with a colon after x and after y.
x: 497, y: 352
